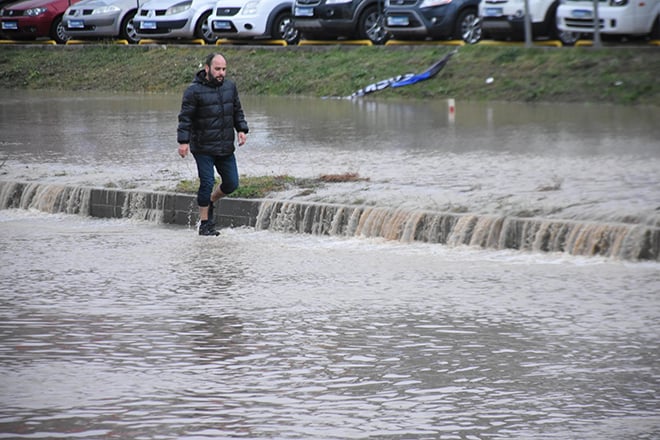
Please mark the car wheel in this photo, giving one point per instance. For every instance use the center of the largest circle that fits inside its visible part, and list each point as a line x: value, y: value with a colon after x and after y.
x: 468, y: 27
x: 128, y: 31
x: 203, y: 30
x: 370, y: 26
x: 57, y: 31
x: 283, y: 29
x: 567, y: 38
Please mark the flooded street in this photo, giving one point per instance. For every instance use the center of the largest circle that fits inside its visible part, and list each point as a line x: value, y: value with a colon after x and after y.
x: 583, y: 162
x: 126, y: 329
x: 118, y: 329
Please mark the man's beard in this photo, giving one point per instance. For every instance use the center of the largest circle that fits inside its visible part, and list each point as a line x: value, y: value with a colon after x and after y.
x: 215, y: 81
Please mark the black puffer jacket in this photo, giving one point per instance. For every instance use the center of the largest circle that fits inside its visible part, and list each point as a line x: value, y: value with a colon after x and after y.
x: 210, y: 112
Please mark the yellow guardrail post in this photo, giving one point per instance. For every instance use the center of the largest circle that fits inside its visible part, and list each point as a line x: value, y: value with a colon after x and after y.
x: 425, y: 43
x: 336, y: 42
x: 551, y: 43
x: 250, y: 42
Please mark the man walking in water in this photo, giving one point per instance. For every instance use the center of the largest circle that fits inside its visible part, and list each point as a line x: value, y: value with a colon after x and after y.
x: 211, y: 113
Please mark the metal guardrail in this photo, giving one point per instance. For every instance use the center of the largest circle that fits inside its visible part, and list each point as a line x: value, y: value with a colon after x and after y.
x: 201, y: 42
x: 251, y: 42
x: 425, y: 43
x: 335, y: 42
x: 91, y: 42
x: 198, y: 41
x: 41, y: 42
x: 548, y: 43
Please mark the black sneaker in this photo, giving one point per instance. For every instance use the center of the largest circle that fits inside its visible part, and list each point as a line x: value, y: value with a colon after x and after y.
x: 208, y: 228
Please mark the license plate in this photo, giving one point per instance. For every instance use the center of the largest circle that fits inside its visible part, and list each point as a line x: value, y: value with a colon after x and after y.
x: 492, y: 12
x: 148, y: 25
x: 75, y: 24
x: 303, y: 12
x: 581, y: 13
x: 397, y: 21
x: 220, y: 25
x: 10, y: 25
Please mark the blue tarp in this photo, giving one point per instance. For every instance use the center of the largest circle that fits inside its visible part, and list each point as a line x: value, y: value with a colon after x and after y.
x: 405, y: 79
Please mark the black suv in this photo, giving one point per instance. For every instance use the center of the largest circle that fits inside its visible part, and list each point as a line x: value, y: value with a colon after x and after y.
x: 433, y: 19
x: 331, y: 19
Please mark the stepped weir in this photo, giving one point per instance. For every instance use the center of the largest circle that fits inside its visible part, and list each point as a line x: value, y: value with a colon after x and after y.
x: 616, y: 240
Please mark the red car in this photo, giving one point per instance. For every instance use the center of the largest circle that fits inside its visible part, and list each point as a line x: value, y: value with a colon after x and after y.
x: 32, y: 19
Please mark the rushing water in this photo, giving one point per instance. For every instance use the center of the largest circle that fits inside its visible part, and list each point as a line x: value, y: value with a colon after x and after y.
x: 122, y: 329
x: 582, y: 162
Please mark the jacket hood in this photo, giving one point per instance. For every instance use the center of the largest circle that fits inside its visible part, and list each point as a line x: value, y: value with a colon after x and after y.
x: 201, y: 78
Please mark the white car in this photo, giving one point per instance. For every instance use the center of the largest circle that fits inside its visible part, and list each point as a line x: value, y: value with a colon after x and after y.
x: 505, y: 20
x: 91, y: 19
x: 250, y: 19
x: 616, y: 17
x: 175, y: 19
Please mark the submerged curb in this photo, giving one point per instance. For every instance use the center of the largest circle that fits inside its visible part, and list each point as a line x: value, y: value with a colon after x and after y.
x: 162, y: 207
x: 168, y: 208
x: 617, y: 240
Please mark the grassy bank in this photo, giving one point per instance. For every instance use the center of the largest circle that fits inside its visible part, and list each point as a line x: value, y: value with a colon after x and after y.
x: 610, y: 75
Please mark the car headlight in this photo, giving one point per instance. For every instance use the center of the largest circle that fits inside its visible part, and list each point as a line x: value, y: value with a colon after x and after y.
x: 105, y: 10
x: 618, y: 2
x: 178, y: 8
x: 433, y: 3
x: 337, y: 2
x: 250, y: 8
x: 33, y: 12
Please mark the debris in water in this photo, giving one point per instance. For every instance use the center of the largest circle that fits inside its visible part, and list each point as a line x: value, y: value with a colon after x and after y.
x: 405, y: 79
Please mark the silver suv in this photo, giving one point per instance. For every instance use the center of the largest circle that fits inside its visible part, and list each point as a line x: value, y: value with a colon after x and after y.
x: 89, y: 19
x: 167, y: 19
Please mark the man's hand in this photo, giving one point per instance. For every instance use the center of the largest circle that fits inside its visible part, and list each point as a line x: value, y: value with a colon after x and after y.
x: 242, y: 137
x: 183, y: 150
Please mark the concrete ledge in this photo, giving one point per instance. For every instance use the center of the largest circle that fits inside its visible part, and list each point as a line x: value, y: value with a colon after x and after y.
x: 163, y: 207
x: 169, y: 208
x: 619, y: 240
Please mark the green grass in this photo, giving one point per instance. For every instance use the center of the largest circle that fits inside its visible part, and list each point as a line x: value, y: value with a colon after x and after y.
x: 251, y: 187
x: 259, y: 187
x: 572, y: 74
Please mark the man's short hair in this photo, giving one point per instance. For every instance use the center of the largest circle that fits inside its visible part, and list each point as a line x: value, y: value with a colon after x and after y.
x: 209, y: 58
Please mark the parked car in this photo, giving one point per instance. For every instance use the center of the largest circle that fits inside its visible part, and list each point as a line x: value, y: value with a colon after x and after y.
x: 331, y: 19
x: 433, y: 19
x: 32, y: 19
x: 249, y: 19
x: 616, y: 17
x: 505, y: 20
x: 166, y: 19
x: 92, y: 19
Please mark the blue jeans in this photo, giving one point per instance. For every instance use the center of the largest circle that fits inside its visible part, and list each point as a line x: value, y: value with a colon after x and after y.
x: 226, y: 166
